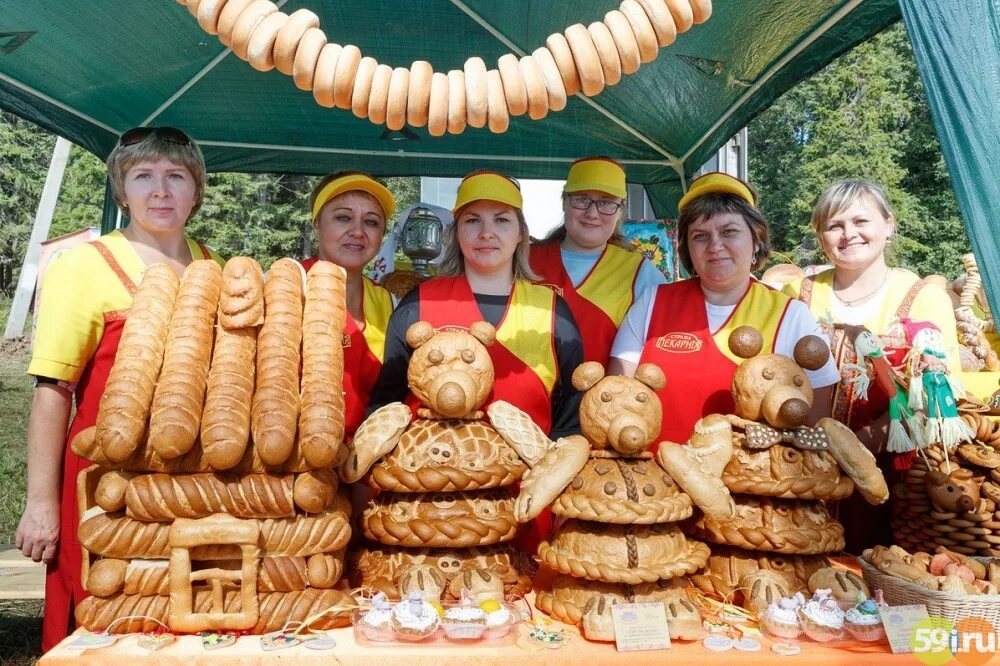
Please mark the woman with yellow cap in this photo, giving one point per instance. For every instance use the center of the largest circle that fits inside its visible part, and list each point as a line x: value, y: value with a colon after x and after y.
x: 684, y: 327
x: 587, y: 259
x: 349, y: 214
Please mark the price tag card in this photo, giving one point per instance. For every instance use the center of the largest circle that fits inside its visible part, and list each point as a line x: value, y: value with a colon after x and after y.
x: 640, y: 626
x: 899, y: 623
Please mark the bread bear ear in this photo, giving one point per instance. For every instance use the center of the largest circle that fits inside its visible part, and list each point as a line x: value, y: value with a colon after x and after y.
x: 587, y: 375
x: 484, y: 332
x: 811, y: 352
x: 419, y: 333
x: 746, y: 341
x: 651, y: 375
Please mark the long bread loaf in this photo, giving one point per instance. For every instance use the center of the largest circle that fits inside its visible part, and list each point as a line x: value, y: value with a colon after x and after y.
x: 242, y: 302
x: 124, y: 406
x: 164, y: 497
x: 275, y: 574
x: 175, y: 416
x: 225, y: 423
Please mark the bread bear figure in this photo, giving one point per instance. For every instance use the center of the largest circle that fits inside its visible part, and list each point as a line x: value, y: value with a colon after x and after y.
x: 445, y: 479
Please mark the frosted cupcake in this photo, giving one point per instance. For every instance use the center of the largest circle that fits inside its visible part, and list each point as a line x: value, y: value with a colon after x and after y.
x: 782, y: 619
x: 375, y: 623
x: 821, y: 618
x: 499, y: 620
x: 414, y: 619
x: 464, y: 622
x: 864, y: 623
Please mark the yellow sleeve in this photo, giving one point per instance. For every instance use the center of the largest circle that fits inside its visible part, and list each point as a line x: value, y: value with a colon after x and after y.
x: 933, y: 305
x: 792, y: 289
x: 70, y: 320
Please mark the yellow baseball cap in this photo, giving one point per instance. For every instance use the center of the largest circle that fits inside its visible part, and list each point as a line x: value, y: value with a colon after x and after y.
x: 351, y: 182
x: 488, y: 185
x: 717, y: 182
x: 602, y: 174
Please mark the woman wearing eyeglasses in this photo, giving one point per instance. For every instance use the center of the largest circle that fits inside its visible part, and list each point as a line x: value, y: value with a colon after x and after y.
x: 588, y: 260
x: 158, y: 179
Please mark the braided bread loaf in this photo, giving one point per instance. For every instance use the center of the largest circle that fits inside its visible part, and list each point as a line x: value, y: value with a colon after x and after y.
x: 163, y: 497
x: 780, y: 526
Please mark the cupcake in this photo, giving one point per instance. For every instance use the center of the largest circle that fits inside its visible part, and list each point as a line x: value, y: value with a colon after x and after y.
x: 821, y: 618
x: 414, y: 619
x: 375, y: 624
x: 782, y: 619
x: 499, y: 619
x: 864, y: 623
x: 464, y: 622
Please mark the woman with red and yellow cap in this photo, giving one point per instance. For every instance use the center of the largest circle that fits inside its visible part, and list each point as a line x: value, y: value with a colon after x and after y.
x: 157, y: 177
x: 587, y: 258
x: 684, y: 327
x: 349, y: 215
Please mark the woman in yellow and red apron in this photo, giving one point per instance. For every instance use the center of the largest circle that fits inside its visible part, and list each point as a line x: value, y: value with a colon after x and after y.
x: 157, y: 176
x: 684, y: 327
x: 485, y: 276
x: 588, y: 260
x: 349, y: 215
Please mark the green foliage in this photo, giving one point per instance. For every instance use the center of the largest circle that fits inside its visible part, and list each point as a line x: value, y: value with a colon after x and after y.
x: 863, y: 116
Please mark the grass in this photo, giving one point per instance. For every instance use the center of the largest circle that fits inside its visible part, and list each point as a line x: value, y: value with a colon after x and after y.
x: 20, y: 621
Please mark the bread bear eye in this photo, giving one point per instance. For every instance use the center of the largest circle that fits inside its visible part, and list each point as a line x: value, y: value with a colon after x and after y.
x: 605, y: 396
x: 767, y: 373
x: 435, y: 356
x: 798, y: 380
x: 468, y: 355
x: 641, y: 397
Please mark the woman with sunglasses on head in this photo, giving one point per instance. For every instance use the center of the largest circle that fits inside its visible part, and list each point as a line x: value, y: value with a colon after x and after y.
x: 587, y: 258
x: 684, y: 327
x: 158, y: 179
x: 349, y: 215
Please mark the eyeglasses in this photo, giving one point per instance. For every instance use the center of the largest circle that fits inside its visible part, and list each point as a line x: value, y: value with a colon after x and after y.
x: 168, y: 134
x: 604, y: 206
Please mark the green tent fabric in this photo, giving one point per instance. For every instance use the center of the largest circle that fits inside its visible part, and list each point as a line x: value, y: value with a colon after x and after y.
x: 89, y: 70
x: 957, y: 46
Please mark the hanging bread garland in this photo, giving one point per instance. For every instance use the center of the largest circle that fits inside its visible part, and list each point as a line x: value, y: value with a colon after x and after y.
x: 580, y: 59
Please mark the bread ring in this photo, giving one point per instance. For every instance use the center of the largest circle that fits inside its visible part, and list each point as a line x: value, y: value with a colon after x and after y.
x: 563, y: 56
x: 513, y: 84
x: 326, y: 68
x: 645, y: 36
x: 363, y: 86
x: 476, y: 104
x: 983, y: 428
x: 399, y: 84
x: 343, y: 80
x: 306, y: 58
x: 192, y: 6
x: 588, y: 62
x: 209, y: 12
x: 260, y: 48
x: 534, y: 85
x: 682, y: 13
x: 247, y: 23
x: 497, y: 114
x: 456, y: 101
x: 628, y: 48
x: 662, y: 21
x: 554, y: 86
x: 437, y: 111
x: 702, y: 10
x: 287, y: 43
x: 611, y: 64
x: 378, y: 101
x: 227, y: 19
x: 419, y: 95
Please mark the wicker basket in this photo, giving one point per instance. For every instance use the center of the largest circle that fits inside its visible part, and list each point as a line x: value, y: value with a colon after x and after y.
x: 953, y: 607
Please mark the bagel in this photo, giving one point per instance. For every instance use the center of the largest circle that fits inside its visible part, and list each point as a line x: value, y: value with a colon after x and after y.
x: 343, y: 80
x: 419, y: 95
x: 291, y: 34
x: 588, y: 62
x: 209, y: 12
x: 363, y: 86
x: 662, y: 20
x: 248, y: 21
x: 645, y: 36
x: 513, y: 84
x: 702, y: 10
x: 192, y: 6
x: 607, y: 52
x: 227, y: 19
x: 554, y: 86
x: 628, y: 47
x: 682, y: 14
x: 534, y: 85
x: 437, y: 111
x: 456, y: 101
x: 497, y: 114
x: 559, y: 48
x: 395, y: 112
x: 307, y: 57
x: 476, y: 92
x: 260, y: 48
x: 326, y: 69
x: 378, y: 100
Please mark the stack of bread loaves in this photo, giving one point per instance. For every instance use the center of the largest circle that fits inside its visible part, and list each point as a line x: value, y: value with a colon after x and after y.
x: 212, y: 505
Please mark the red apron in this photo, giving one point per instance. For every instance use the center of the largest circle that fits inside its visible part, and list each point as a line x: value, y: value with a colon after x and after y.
x: 63, y: 585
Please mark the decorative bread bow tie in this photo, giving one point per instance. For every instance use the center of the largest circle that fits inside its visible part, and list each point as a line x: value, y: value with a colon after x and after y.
x: 763, y: 436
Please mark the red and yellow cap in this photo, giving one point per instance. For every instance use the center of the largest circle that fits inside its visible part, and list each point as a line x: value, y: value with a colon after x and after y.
x: 488, y: 185
x: 602, y: 174
x: 351, y: 182
x: 718, y: 183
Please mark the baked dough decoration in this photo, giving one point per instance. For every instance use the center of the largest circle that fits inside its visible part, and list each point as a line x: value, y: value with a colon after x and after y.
x: 580, y: 58
x: 726, y: 568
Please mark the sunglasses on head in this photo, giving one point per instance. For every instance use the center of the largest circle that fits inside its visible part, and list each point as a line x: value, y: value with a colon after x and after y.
x: 168, y: 134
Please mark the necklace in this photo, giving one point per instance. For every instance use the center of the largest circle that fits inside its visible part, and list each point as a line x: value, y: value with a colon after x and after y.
x: 855, y: 301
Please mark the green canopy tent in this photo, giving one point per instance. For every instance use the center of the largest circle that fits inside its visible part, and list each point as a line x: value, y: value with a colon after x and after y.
x: 89, y: 70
